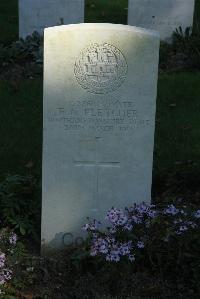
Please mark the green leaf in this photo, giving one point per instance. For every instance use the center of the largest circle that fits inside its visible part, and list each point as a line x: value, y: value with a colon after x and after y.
x: 22, y: 230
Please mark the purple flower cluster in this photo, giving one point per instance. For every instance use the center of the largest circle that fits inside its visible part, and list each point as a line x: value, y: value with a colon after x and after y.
x: 13, y: 239
x: 7, y: 242
x: 128, y: 218
x: 171, y: 210
x: 147, y: 210
x: 197, y: 214
x: 124, y: 221
x: 5, y: 276
x: 181, y: 226
x: 131, y: 229
x: 2, y: 260
x: 92, y: 226
x: 140, y: 244
x: 111, y: 249
x: 116, y: 217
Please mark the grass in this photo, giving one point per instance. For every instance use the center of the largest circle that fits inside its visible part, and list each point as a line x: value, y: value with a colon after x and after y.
x: 177, y: 141
x: 21, y: 127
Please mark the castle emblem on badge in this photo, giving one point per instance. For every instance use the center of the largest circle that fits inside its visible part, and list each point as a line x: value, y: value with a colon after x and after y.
x: 101, y: 68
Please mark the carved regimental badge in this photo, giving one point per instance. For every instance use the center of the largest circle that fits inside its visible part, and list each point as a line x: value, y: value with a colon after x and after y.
x: 101, y: 68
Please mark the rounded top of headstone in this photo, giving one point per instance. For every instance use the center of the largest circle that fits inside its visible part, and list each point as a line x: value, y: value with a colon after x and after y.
x: 102, y: 26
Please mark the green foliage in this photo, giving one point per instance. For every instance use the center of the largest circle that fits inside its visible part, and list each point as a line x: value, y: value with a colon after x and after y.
x: 28, y: 49
x: 183, y: 52
x: 188, y: 42
x: 19, y: 207
x: 178, y: 257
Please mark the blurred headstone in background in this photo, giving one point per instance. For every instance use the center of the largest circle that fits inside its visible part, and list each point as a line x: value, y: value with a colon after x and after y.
x: 35, y: 15
x: 161, y: 15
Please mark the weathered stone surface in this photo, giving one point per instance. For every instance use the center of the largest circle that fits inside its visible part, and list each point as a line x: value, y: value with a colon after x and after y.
x: 161, y: 15
x: 100, y: 83
x: 35, y: 15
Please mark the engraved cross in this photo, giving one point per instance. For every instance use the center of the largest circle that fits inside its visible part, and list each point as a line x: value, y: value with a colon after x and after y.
x: 96, y: 164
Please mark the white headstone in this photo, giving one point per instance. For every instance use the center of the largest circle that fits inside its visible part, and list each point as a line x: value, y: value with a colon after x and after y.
x: 100, y: 85
x: 161, y: 15
x: 35, y: 15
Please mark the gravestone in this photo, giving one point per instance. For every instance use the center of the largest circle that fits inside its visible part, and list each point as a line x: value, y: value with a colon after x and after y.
x: 35, y: 15
x: 161, y: 15
x: 100, y: 83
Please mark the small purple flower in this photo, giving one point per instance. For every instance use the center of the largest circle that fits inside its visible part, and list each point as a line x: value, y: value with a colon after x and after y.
x: 131, y: 257
x: 152, y: 213
x: 5, y: 275
x: 92, y: 226
x: 2, y: 279
x: 140, y: 244
x: 183, y: 212
x: 145, y: 209
x: 137, y: 219
x: 147, y: 223
x: 93, y: 252
x: 191, y: 224
x: 13, y: 239
x: 125, y: 248
x: 116, y: 217
x: 142, y: 208
x: 197, y: 214
x: 178, y: 221
x: 171, y: 210
x: 182, y: 229
x: 112, y: 258
x: 112, y: 230
x: 2, y: 260
x: 94, y: 235
x: 100, y: 245
x: 128, y: 226
x: 183, y: 225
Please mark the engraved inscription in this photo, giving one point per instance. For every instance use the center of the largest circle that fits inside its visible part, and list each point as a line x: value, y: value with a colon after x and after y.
x: 101, y: 68
x: 104, y: 116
